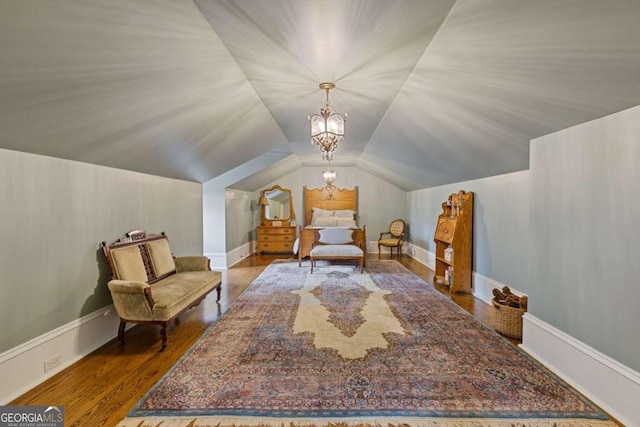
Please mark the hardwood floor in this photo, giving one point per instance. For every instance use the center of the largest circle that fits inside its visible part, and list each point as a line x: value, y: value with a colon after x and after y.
x: 101, y: 389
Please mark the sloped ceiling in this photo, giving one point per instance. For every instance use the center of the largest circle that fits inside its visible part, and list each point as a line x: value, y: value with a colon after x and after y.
x: 437, y: 91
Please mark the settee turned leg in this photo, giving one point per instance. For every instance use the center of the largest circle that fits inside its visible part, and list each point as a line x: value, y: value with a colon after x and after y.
x: 121, y: 331
x: 163, y: 334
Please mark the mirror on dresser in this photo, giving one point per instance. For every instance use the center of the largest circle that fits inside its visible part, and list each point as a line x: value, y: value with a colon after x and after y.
x: 276, y: 232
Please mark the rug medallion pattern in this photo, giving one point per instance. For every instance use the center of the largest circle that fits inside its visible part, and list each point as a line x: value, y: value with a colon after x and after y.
x: 338, y: 345
x: 345, y: 312
x: 331, y: 294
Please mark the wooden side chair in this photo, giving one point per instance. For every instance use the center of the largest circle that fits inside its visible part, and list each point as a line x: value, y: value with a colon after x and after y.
x: 395, y: 237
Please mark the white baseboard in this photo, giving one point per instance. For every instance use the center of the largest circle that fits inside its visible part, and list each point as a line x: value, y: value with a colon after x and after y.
x: 482, y: 286
x: 608, y: 383
x: 421, y: 255
x: 218, y: 260
x: 238, y: 254
x: 372, y: 248
x: 22, y: 367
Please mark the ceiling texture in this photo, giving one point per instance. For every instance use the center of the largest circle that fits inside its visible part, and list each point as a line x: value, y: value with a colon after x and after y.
x: 437, y: 91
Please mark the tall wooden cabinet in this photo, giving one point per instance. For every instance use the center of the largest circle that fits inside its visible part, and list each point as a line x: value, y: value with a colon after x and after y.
x: 454, y: 242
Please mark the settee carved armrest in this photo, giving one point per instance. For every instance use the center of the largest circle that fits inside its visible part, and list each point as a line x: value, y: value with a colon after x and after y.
x: 132, y: 299
x: 192, y: 263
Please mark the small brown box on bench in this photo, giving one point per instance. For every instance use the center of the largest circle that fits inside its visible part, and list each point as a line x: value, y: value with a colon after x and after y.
x: 150, y: 285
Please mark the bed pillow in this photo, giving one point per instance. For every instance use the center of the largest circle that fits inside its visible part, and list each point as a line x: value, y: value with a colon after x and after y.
x: 323, y: 221
x: 345, y: 213
x: 318, y: 212
x: 346, y: 222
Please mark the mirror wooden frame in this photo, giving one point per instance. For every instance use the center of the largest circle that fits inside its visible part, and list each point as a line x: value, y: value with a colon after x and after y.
x: 276, y: 221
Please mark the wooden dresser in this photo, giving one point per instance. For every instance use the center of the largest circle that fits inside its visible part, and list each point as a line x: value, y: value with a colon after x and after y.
x: 276, y: 238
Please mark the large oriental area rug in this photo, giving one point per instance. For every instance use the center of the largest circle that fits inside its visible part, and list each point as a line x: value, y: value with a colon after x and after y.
x: 343, y: 348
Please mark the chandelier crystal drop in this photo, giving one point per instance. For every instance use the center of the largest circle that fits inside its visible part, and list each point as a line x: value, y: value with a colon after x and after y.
x: 327, y: 128
x: 329, y: 175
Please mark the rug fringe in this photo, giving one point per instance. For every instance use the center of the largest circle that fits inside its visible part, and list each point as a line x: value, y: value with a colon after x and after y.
x: 358, y: 422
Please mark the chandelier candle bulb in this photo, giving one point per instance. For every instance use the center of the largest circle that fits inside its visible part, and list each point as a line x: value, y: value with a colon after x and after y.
x: 327, y: 128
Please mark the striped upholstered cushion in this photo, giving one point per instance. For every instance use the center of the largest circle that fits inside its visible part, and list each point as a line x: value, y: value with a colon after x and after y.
x: 336, y: 236
x: 336, y: 250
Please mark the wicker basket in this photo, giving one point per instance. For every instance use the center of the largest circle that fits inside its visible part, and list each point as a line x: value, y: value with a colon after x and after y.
x: 507, y: 320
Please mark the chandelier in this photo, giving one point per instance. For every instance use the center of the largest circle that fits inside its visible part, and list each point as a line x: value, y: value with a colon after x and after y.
x: 329, y: 175
x: 327, y: 128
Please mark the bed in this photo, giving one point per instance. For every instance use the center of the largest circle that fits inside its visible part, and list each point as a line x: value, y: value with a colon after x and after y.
x: 331, y: 199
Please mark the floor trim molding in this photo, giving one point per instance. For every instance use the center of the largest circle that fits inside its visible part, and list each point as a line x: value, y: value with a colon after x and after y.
x: 608, y: 383
x: 482, y: 286
x: 421, y: 255
x: 22, y: 367
x: 218, y: 260
x: 236, y: 255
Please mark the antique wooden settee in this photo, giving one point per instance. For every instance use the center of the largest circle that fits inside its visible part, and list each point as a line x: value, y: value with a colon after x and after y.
x: 150, y: 285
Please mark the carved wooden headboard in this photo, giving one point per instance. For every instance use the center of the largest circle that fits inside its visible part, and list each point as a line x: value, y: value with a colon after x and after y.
x: 330, y: 198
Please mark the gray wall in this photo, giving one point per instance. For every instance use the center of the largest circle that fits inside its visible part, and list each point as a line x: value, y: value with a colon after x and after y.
x: 214, y: 218
x: 240, y: 208
x: 585, y: 237
x: 54, y: 213
x: 215, y: 213
x: 500, y: 224
x: 564, y: 232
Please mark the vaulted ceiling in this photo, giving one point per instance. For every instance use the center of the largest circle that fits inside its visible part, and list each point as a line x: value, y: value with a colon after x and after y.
x: 437, y: 91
